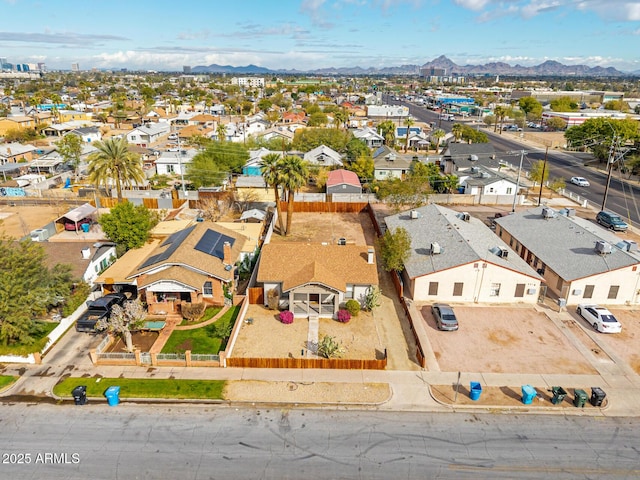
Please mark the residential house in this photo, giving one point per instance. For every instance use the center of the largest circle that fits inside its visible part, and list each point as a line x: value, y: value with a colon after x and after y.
x: 280, y: 133
x: 369, y: 136
x: 294, y: 117
x: 387, y: 164
x: 16, y: 153
x: 323, y: 156
x: 316, y: 280
x: 147, y: 134
x: 456, y: 258
x: 19, y: 122
x: 416, y: 135
x: 87, y: 134
x: 174, y: 163
x: 252, y: 167
x: 343, y: 181
x: 253, y: 187
x: 87, y: 260
x: 580, y: 261
x: 461, y: 157
x: 159, y: 115
x: 482, y: 181
x: 61, y: 129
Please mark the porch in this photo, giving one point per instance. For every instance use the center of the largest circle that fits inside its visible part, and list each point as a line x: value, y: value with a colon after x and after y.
x: 314, y: 301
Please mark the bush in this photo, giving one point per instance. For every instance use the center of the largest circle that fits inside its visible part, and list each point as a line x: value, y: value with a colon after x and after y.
x: 353, y: 306
x: 77, y: 298
x: 273, y: 299
x: 344, y: 316
x: 192, y: 311
x: 286, y: 317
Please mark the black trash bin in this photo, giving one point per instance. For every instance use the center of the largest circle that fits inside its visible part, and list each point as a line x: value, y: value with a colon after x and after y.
x: 80, y: 395
x: 580, y: 398
x: 558, y: 395
x: 597, y: 396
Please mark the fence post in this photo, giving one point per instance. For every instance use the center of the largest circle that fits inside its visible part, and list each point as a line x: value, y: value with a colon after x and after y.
x: 187, y: 357
x: 94, y: 356
x: 136, y: 352
x: 154, y: 359
x: 37, y: 358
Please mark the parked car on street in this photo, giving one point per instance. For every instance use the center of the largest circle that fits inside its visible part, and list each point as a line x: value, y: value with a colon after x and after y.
x: 612, y: 221
x: 580, y: 181
x: 601, y: 319
x: 444, y: 316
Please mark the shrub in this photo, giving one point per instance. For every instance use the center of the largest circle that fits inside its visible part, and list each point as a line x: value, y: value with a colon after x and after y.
x: 344, y: 316
x: 329, y: 347
x: 192, y: 311
x: 286, y: 317
x: 77, y: 298
x: 273, y: 299
x: 353, y: 306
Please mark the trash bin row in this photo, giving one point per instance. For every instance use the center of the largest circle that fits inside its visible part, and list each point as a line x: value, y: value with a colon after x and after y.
x: 529, y: 393
x: 80, y: 395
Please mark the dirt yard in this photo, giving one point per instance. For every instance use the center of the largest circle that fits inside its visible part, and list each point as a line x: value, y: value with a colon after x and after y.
x: 141, y: 340
x: 267, y: 337
x: 20, y: 220
x: 328, y: 227
x: 625, y: 343
x: 504, y: 340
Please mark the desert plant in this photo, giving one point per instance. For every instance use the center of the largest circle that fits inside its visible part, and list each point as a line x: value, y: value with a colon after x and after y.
x: 329, y: 348
x: 286, y: 317
x: 192, y: 311
x: 353, y: 306
x: 343, y: 316
x: 372, y: 298
x: 273, y: 299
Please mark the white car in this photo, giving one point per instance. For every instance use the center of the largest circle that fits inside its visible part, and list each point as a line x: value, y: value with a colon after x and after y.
x: 580, y: 181
x: 600, y: 318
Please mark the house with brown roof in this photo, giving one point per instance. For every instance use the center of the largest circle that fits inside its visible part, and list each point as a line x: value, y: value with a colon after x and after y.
x: 316, y: 280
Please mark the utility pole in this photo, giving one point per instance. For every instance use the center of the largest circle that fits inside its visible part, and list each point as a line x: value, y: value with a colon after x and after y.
x: 544, y: 168
x: 610, y: 160
x: 515, y: 195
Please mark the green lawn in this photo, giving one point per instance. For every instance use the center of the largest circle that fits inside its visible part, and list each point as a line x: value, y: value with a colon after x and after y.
x: 145, y: 387
x: 200, y: 340
x: 6, y: 380
x: 39, y: 335
x: 209, y: 313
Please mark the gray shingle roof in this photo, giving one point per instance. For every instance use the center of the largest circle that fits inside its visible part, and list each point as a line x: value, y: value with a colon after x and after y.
x: 567, y: 244
x: 461, y: 241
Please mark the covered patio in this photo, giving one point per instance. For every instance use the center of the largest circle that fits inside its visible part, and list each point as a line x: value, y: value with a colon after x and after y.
x: 78, y: 217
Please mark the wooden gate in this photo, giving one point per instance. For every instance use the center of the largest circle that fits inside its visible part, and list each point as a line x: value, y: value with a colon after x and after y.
x: 256, y: 295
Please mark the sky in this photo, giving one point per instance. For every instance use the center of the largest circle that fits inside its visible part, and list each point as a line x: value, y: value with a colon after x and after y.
x: 310, y: 34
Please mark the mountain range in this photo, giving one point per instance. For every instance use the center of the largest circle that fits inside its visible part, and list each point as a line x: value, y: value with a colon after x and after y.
x: 548, y: 68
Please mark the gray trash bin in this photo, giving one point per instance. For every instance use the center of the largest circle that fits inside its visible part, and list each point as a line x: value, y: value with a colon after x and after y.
x: 80, y: 394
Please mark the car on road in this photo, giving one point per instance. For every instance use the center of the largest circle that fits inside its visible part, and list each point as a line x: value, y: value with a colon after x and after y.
x: 601, y: 319
x: 445, y: 317
x: 612, y: 221
x: 580, y: 181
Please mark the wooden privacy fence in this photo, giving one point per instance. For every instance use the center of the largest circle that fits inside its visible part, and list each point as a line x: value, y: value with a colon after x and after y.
x: 256, y: 295
x: 326, y: 207
x: 150, y: 203
x: 332, y: 363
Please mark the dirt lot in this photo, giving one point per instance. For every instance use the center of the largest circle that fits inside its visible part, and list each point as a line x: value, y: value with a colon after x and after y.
x: 141, y: 340
x: 625, y: 343
x: 18, y: 221
x: 504, y: 340
x: 328, y: 227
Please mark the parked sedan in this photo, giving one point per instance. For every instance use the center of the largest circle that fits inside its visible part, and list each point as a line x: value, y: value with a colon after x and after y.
x: 445, y: 318
x: 600, y: 318
x: 580, y: 181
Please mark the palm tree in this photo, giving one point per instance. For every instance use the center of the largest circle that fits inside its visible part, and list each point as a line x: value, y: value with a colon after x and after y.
x: 456, y: 129
x: 221, y: 132
x: 295, y: 172
x: 500, y: 112
x: 409, y: 123
x: 438, y: 134
x: 340, y: 118
x: 270, y: 168
x: 114, y: 161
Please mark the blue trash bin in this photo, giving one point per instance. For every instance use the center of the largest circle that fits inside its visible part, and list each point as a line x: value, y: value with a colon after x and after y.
x: 113, y: 395
x: 85, y: 227
x: 528, y: 394
x: 475, y: 391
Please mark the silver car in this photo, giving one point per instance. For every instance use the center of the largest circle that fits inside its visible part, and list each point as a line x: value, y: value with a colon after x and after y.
x: 445, y: 318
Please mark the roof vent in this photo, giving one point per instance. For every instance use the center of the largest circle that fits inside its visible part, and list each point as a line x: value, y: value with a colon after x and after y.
x: 436, y: 249
x: 474, y: 170
x: 465, y: 216
x: 548, y: 212
x: 342, y: 241
x: 473, y: 158
x: 414, y: 214
x: 485, y: 175
x: 603, y: 248
x: 630, y: 245
x: 503, y: 253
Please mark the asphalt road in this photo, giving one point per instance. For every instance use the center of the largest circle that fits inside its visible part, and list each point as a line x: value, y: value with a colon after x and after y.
x: 196, y: 442
x: 623, y: 196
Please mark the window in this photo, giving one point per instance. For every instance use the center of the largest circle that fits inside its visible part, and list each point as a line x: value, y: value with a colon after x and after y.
x: 613, y: 292
x: 207, y: 289
x: 509, y: 191
x: 433, y: 288
x: 588, y: 291
x: 511, y: 242
x: 457, y: 289
x: 170, y: 168
x: 519, y: 290
x: 495, y: 290
x: 349, y: 292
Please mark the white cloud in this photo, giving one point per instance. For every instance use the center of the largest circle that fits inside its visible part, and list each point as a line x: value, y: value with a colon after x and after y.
x: 475, y: 5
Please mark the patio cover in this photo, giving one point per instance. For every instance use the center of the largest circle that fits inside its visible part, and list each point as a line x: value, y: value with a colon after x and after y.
x: 79, y: 213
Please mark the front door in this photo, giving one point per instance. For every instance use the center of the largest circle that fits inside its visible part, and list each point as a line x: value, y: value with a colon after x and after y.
x: 314, y: 303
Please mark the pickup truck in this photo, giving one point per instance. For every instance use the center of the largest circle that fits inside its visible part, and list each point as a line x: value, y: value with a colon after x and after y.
x: 97, y: 310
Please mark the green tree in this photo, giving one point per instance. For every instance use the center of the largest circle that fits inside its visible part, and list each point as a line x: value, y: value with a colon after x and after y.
x: 388, y: 130
x: 500, y: 113
x: 27, y: 288
x: 295, y: 173
x: 530, y: 105
x: 270, y: 168
x: 395, y: 249
x: 216, y: 163
x: 306, y: 139
x: 114, y: 162
x: 340, y: 118
x: 537, y: 168
x: 563, y: 104
x: 70, y: 148
x: 318, y: 119
x: 489, y: 120
x: 556, y: 123
x: 265, y: 104
x: 438, y: 134
x: 597, y: 134
x: 456, y: 129
x: 128, y: 225
x: 471, y: 135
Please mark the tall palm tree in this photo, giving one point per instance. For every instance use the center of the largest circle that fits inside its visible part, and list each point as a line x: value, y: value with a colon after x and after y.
x: 456, y: 129
x: 340, y: 118
x: 270, y: 168
x: 295, y: 172
x: 438, y: 134
x: 409, y: 123
x: 114, y: 161
x: 500, y: 112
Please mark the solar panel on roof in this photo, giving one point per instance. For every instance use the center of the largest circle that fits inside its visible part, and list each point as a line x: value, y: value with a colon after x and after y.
x: 212, y: 243
x: 173, y: 241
